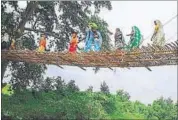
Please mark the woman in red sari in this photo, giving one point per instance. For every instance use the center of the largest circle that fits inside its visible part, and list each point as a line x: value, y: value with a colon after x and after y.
x: 73, y: 43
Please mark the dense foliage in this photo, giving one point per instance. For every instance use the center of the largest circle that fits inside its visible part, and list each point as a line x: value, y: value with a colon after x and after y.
x: 57, y: 100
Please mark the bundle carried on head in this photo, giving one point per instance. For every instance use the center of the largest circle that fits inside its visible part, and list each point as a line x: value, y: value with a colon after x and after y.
x: 159, y: 23
x: 93, y: 25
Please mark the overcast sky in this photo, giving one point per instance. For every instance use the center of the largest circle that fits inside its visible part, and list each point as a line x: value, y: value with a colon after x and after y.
x: 141, y: 84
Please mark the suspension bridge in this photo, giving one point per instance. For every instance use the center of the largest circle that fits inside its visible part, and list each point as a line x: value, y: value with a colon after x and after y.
x: 146, y: 56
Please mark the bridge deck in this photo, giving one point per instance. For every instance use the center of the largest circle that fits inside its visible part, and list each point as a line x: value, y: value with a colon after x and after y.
x: 143, y: 57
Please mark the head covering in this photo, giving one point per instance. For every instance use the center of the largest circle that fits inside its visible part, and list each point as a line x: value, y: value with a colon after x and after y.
x: 158, y: 22
x: 159, y: 38
x: 118, y: 29
x: 137, y: 32
x: 136, y: 29
x: 74, y: 32
x: 93, y: 25
x: 44, y: 35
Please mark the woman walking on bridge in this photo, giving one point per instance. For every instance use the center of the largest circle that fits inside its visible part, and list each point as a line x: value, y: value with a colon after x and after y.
x: 42, y: 43
x: 93, y: 38
x: 119, y: 39
x: 135, y: 38
x: 158, y: 37
x: 73, y: 43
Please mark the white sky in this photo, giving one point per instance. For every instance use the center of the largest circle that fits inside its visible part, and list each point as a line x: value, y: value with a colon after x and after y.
x: 141, y: 84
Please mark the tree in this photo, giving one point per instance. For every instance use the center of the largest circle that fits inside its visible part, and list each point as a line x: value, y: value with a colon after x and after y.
x: 48, y: 84
x: 59, y: 84
x: 104, y: 88
x: 25, y: 74
x: 175, y: 110
x: 72, y: 87
x: 123, y: 95
x: 140, y: 107
x: 57, y: 19
x: 164, y: 109
x: 90, y: 89
x: 12, y: 24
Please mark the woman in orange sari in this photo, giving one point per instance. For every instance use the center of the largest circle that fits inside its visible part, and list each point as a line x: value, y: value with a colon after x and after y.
x: 42, y: 43
x: 73, y: 43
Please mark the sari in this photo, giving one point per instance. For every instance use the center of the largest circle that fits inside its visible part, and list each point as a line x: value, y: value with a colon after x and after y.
x: 158, y: 37
x: 93, y: 41
x: 12, y: 46
x: 135, y: 38
x: 119, y: 40
x: 73, y: 44
x: 42, y: 45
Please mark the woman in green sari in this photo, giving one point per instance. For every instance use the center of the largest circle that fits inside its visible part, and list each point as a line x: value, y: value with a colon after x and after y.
x: 135, y: 38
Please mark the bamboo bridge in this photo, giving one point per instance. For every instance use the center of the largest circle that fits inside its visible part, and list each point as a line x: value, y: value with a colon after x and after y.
x: 146, y: 56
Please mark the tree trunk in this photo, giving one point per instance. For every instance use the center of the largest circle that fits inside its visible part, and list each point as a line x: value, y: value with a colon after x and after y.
x: 4, y: 64
x: 26, y: 15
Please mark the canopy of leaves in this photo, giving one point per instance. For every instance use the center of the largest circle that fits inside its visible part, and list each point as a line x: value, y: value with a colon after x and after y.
x: 26, y: 75
x: 104, y: 88
x: 57, y: 19
x: 124, y: 96
x: 65, y: 101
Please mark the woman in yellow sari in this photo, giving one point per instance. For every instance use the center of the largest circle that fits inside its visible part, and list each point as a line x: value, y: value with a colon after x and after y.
x: 158, y: 37
x: 12, y: 46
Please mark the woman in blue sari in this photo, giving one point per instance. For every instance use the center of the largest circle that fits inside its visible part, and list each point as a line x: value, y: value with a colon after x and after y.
x: 93, y: 38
